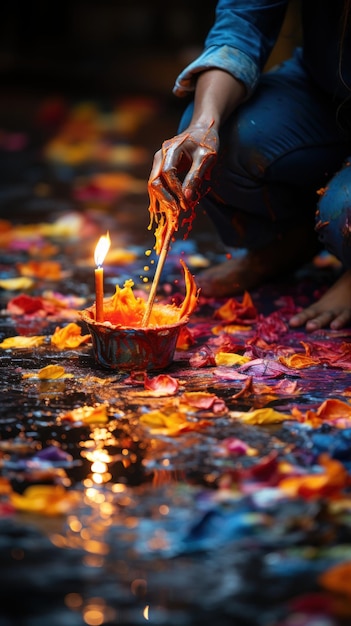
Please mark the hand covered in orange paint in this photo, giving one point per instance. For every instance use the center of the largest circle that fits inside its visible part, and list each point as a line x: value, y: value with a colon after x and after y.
x: 181, y: 169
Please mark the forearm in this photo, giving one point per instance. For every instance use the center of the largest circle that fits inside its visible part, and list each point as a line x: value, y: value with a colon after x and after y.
x: 183, y: 163
x: 217, y: 94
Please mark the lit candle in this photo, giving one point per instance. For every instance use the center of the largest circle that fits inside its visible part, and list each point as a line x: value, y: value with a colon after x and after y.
x: 101, y: 250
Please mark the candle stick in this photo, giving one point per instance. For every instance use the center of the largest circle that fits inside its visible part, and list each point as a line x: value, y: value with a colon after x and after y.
x: 99, y: 294
x: 100, y: 253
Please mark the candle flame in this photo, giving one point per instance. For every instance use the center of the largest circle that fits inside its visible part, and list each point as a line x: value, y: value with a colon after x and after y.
x: 102, y: 248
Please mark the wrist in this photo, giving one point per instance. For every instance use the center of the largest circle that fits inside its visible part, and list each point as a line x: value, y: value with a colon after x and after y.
x: 205, y: 122
x: 217, y: 94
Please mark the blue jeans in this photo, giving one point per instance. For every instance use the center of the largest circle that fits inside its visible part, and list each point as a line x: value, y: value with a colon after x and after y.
x: 276, y: 152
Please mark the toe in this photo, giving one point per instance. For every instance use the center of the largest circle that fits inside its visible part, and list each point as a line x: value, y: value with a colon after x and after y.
x: 320, y: 320
x: 301, y: 318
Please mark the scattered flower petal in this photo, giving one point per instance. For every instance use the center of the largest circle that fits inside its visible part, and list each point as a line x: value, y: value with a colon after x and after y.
x: 69, y: 337
x: 230, y: 358
x: 23, y: 342
x: 16, y: 284
x: 50, y: 372
x: 87, y: 414
x: 46, y: 270
x: 204, y: 400
x: 261, y: 416
x: 162, y: 385
x: 47, y: 500
x: 235, y: 311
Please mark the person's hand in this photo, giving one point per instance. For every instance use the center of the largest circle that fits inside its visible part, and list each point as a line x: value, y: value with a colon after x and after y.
x: 181, y: 170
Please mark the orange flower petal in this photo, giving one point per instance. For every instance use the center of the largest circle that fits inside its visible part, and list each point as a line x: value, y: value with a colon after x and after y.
x: 191, y: 293
x: 330, y: 482
x: 47, y: 270
x: 333, y: 408
x: 234, y: 310
x: 299, y: 361
x: 87, y: 414
x: 185, y: 339
x: 69, y: 337
x: 337, y: 578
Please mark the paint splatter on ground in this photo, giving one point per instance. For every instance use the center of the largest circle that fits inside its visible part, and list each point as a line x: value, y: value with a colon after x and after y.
x: 217, y: 491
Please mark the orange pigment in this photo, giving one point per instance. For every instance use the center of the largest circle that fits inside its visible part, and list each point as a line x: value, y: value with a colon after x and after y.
x: 125, y: 309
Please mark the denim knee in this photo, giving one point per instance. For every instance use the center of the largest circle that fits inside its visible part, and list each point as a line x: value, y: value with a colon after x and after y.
x: 333, y: 216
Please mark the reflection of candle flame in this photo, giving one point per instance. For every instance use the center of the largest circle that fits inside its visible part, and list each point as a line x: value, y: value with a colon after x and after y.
x: 99, y: 459
x: 102, y: 248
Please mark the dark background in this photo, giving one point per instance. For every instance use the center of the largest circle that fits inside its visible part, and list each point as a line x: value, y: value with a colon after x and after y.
x: 107, y: 45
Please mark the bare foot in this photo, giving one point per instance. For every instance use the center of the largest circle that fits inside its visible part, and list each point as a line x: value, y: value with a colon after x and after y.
x: 229, y: 278
x: 249, y: 269
x: 333, y: 309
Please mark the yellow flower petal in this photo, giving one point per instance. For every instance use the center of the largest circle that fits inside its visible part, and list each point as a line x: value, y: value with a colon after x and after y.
x: 121, y: 256
x: 230, y: 358
x: 53, y: 371
x: 20, y: 341
x: 17, y: 284
x: 171, y: 424
x: 50, y: 372
x: 261, y: 416
x: 162, y: 424
x: 44, y: 499
x: 157, y: 419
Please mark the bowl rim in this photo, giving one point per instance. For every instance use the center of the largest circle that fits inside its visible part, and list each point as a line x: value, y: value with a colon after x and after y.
x: 109, y: 326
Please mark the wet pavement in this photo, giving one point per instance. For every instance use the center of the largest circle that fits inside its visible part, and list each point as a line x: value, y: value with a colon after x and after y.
x: 214, y: 492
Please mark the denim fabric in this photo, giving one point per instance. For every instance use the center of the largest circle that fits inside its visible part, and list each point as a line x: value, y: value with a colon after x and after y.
x: 245, y: 31
x: 276, y: 151
x: 239, y: 42
x: 334, y: 215
x: 285, y: 142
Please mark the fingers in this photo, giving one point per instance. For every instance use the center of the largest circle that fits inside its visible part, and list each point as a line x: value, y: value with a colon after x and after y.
x: 193, y: 185
x: 156, y: 166
x: 204, y: 157
x: 172, y: 154
x: 162, y: 194
x: 180, y: 169
x: 165, y: 187
x: 161, y: 198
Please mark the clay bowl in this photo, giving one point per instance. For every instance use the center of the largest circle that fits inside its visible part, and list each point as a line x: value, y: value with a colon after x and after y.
x: 122, y: 348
